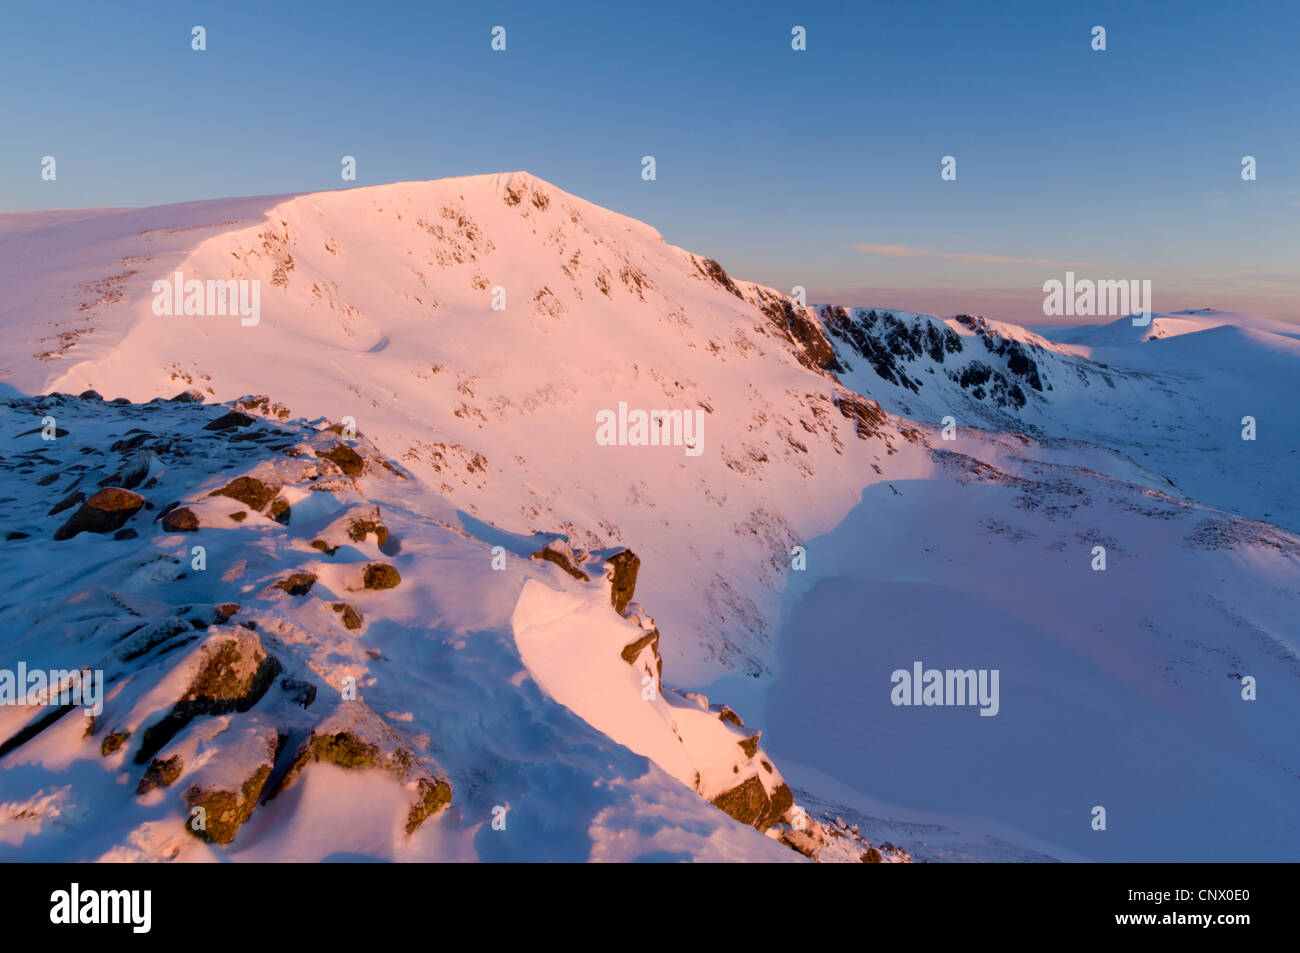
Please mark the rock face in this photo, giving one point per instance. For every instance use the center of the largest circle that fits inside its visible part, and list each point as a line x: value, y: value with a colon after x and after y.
x: 354, y: 737
x: 866, y: 414
x: 105, y: 512
x: 800, y: 327
x: 622, y: 577
x: 750, y: 803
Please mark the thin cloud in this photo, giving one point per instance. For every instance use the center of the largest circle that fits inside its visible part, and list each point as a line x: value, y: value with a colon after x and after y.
x: 963, y: 258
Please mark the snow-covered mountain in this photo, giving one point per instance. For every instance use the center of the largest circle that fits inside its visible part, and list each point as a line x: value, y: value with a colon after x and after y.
x: 436, y: 361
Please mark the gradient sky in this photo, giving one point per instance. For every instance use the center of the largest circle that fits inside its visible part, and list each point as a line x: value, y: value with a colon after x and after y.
x: 780, y: 164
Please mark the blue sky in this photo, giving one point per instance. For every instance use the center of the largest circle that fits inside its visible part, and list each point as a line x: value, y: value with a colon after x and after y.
x: 780, y: 164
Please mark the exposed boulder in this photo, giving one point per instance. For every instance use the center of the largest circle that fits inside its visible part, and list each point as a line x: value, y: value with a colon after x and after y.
x: 229, y: 421
x: 182, y: 519
x: 105, y: 512
x: 296, y: 584
x: 252, y: 492
x: 281, y: 511
x: 380, y: 576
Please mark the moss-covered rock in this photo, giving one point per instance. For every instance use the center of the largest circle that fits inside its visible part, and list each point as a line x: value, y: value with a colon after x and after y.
x: 250, y: 491
x: 225, y: 811
x: 380, y: 576
x: 431, y: 797
x: 161, y: 773
x: 360, y: 528
x: 349, y: 615
x: 296, y: 584
x: 231, y: 672
x: 281, y: 511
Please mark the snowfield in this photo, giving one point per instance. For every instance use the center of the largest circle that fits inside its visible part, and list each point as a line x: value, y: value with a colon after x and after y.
x: 433, y: 617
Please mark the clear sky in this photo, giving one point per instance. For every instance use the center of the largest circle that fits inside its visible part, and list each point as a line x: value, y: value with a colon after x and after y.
x: 818, y: 168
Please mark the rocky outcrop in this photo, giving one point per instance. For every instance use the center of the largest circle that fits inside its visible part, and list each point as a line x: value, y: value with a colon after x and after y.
x: 345, y: 458
x: 643, y: 653
x: 230, y: 671
x: 355, y: 738
x: 800, y: 327
x: 623, y: 567
x: 353, y: 528
x: 559, y: 552
x: 751, y: 803
x: 865, y: 413
x: 224, y: 811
